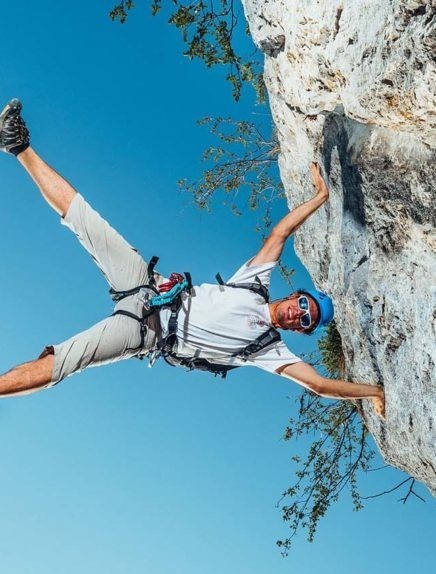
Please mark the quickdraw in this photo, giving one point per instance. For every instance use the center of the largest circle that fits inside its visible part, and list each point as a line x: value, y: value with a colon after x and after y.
x: 171, y: 289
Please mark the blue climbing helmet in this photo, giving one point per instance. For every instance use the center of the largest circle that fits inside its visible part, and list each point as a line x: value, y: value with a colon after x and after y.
x: 325, y: 306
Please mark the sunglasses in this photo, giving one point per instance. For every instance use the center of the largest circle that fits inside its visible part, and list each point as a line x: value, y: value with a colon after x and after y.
x: 305, y: 319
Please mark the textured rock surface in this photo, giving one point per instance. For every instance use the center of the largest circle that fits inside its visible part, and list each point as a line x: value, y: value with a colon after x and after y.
x: 351, y: 85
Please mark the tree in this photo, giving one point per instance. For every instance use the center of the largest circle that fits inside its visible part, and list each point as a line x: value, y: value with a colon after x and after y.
x: 243, y: 165
x: 209, y: 29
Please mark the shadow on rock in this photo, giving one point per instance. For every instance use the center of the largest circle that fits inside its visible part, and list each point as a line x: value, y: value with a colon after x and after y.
x: 335, y: 136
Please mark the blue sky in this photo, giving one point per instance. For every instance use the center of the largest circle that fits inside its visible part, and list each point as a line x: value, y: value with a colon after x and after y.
x: 123, y: 468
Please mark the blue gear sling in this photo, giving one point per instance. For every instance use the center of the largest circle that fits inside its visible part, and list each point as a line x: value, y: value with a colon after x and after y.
x: 167, y: 346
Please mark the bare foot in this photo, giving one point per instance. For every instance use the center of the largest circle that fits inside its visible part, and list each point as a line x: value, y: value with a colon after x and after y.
x: 379, y: 404
x: 318, y: 181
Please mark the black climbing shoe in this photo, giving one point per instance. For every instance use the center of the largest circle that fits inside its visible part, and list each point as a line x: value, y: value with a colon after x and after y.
x: 14, y: 136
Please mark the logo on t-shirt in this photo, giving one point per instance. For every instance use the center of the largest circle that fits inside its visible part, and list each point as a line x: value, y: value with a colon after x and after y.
x: 254, y: 322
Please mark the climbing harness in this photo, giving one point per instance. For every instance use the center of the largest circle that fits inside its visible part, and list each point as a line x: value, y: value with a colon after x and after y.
x: 152, y: 297
x: 169, y: 295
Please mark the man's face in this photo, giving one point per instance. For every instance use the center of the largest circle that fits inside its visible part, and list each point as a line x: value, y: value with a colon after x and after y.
x: 288, y: 313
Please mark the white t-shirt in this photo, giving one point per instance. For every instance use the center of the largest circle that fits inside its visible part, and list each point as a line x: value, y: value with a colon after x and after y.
x: 217, y: 321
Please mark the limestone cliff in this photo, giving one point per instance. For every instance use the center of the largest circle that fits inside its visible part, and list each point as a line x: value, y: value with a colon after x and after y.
x: 351, y: 85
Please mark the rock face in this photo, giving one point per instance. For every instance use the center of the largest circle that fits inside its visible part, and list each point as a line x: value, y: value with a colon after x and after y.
x: 350, y: 85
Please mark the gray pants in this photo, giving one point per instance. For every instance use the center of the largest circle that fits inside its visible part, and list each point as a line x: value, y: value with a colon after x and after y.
x: 117, y: 337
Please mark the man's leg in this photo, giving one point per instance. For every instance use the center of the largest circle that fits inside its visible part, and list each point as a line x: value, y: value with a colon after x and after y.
x: 15, y: 140
x: 113, y: 339
x: 27, y: 378
x: 120, y: 263
x: 55, y: 189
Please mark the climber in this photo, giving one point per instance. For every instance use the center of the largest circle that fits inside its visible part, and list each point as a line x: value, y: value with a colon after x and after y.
x: 202, y: 327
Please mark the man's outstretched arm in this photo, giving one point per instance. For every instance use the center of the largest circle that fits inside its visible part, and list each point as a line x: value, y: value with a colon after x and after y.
x: 273, y: 246
x: 307, y: 376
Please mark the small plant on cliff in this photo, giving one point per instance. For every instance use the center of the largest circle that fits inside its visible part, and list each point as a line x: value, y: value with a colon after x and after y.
x: 332, y: 355
x: 209, y: 29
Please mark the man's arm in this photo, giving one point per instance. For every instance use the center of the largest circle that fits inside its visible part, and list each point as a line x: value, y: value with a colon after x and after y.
x: 273, y: 246
x: 307, y: 376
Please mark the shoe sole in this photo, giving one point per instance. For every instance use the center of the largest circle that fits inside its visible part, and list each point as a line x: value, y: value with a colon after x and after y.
x: 12, y: 105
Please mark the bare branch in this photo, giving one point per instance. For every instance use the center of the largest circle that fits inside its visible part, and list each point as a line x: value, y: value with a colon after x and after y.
x: 411, y: 491
x: 388, y: 491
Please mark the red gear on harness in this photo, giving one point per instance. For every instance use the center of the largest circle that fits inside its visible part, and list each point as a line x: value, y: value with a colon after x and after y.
x: 173, y: 280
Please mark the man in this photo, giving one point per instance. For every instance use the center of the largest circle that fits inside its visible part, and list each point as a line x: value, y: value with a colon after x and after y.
x: 213, y: 323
